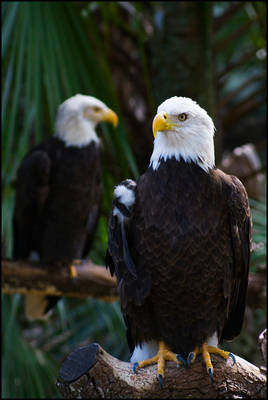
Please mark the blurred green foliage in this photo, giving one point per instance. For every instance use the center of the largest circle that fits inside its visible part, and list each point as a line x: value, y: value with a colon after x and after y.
x: 51, y: 51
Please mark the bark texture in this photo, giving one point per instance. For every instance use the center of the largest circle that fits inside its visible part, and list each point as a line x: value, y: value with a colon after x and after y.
x: 28, y: 277
x: 90, y: 372
x: 92, y: 281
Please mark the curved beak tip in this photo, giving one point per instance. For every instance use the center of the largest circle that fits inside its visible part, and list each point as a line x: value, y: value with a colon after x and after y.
x: 159, y: 123
x: 111, y: 116
x: 115, y: 120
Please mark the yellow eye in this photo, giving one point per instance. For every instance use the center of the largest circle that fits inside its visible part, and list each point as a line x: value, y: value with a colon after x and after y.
x: 182, y: 117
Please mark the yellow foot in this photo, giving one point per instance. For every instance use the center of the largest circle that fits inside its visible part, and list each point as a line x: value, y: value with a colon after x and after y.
x: 206, y: 350
x: 163, y: 354
x: 72, y: 270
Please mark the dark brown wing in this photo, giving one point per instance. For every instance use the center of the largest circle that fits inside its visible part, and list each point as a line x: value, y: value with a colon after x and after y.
x: 32, y: 189
x: 118, y: 256
x: 133, y: 286
x: 236, y: 281
x: 93, y: 218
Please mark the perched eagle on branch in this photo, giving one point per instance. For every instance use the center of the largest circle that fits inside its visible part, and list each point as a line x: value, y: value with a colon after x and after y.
x: 58, y: 192
x: 179, y: 244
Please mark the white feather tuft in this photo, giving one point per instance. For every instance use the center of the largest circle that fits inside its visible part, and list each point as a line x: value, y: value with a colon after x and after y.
x: 124, y: 195
x: 147, y: 350
x: 213, y: 340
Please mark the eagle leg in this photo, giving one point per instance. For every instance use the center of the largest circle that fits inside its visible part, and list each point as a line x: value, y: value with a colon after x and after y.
x: 72, y: 269
x: 163, y: 354
x: 206, y: 350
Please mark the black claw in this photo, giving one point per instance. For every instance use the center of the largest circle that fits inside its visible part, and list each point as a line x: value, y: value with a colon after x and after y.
x: 180, y: 358
x: 134, y: 367
x: 160, y: 378
x: 210, y: 372
x: 233, y: 358
x: 189, y: 359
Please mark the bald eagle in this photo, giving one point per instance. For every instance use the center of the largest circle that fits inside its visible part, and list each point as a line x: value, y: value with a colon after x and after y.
x: 179, y: 243
x: 58, y: 192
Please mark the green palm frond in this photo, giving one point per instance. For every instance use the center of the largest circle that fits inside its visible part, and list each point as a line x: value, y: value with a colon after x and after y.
x: 22, y: 365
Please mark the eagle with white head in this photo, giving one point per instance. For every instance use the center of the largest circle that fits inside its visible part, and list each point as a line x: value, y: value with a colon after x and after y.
x: 58, y: 192
x: 179, y: 244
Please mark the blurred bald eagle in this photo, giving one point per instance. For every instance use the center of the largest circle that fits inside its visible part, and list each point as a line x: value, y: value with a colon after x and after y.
x: 179, y: 244
x: 58, y: 192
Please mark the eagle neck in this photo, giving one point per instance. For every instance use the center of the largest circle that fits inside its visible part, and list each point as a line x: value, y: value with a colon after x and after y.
x: 76, y: 131
x: 200, y: 152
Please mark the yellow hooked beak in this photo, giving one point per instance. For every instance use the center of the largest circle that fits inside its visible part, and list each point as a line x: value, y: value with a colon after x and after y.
x: 110, y: 116
x: 161, y: 122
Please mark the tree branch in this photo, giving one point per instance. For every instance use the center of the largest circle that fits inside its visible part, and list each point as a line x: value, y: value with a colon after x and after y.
x: 90, y: 372
x: 92, y: 280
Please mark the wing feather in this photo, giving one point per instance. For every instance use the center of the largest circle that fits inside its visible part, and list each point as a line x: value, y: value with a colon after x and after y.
x: 236, y: 281
x: 32, y: 190
x: 131, y: 285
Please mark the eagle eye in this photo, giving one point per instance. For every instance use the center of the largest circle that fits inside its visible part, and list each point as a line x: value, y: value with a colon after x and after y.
x: 182, y: 117
x: 96, y: 109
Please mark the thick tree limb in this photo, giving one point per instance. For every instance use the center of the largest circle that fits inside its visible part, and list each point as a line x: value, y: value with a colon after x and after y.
x: 92, y: 280
x: 90, y: 372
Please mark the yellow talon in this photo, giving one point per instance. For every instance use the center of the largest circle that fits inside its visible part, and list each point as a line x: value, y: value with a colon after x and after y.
x: 73, y: 272
x: 163, y: 354
x: 192, y: 356
x: 149, y: 361
x: 206, y: 350
x: 215, y: 350
x: 206, y: 357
